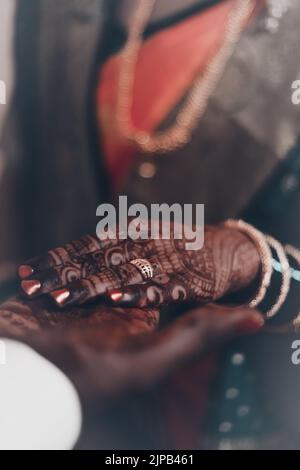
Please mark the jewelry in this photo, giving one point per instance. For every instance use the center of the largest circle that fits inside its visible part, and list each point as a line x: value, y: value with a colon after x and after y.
x: 294, y: 253
x: 265, y: 253
x: 179, y: 133
x: 286, y: 276
x: 144, y: 266
x: 294, y: 325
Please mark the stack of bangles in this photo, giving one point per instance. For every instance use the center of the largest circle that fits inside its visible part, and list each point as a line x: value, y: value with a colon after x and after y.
x: 265, y: 244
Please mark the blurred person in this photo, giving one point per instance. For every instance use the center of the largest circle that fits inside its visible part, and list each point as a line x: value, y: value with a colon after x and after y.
x: 166, y: 102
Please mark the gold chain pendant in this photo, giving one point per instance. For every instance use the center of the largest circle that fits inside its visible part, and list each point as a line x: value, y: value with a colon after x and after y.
x: 196, y: 102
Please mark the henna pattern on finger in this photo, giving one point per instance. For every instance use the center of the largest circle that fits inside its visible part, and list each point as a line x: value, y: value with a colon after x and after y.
x: 96, y: 285
x: 98, y: 326
x: 227, y: 262
x: 61, y: 255
x: 80, y: 267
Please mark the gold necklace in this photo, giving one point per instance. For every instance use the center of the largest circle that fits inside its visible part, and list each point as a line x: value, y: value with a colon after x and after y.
x: 179, y: 133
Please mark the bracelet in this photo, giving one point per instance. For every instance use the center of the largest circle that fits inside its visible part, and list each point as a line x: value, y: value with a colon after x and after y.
x: 286, y: 276
x: 265, y: 253
x: 292, y: 326
x: 264, y: 244
x: 294, y: 253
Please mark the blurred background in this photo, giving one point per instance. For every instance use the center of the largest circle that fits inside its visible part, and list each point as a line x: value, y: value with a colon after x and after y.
x: 6, y: 56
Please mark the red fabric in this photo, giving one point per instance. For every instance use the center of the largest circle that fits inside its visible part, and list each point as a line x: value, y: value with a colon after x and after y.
x: 167, y: 64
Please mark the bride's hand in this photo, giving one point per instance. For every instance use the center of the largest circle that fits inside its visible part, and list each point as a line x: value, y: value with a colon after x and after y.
x: 109, y: 351
x: 88, y: 269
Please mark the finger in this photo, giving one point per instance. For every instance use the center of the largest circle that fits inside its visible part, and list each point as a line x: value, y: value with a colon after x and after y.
x: 83, y: 290
x: 55, y: 278
x: 109, y: 250
x: 80, y: 267
x: 222, y: 322
x: 163, y: 290
x: 61, y: 255
x: 189, y: 337
x: 209, y: 326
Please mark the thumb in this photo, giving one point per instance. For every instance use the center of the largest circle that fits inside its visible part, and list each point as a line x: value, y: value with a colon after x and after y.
x: 187, y: 338
x: 221, y: 323
x: 205, y: 328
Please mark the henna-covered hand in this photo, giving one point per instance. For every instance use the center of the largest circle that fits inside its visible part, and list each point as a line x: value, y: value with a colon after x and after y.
x: 108, y: 351
x: 88, y: 268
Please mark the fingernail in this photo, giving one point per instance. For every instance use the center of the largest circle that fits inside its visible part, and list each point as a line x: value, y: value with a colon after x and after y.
x: 253, y: 323
x: 116, y: 296
x: 122, y: 298
x: 31, y: 287
x: 25, y: 271
x: 60, y: 296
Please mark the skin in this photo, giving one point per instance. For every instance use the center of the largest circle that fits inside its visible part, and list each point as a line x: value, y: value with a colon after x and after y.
x: 88, y: 269
x: 127, y: 347
x: 123, y: 345
x: 90, y: 340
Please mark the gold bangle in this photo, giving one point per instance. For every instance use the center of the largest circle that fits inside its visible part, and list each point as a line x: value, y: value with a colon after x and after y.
x: 264, y: 251
x: 292, y: 326
x: 294, y: 253
x: 286, y: 276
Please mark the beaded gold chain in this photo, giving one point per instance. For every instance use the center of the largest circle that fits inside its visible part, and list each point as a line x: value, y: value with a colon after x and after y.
x: 196, y: 102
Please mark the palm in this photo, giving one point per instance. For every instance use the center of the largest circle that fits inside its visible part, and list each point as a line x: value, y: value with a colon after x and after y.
x: 108, y: 351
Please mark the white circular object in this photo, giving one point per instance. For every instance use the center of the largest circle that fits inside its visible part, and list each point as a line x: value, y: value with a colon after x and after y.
x: 39, y: 406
